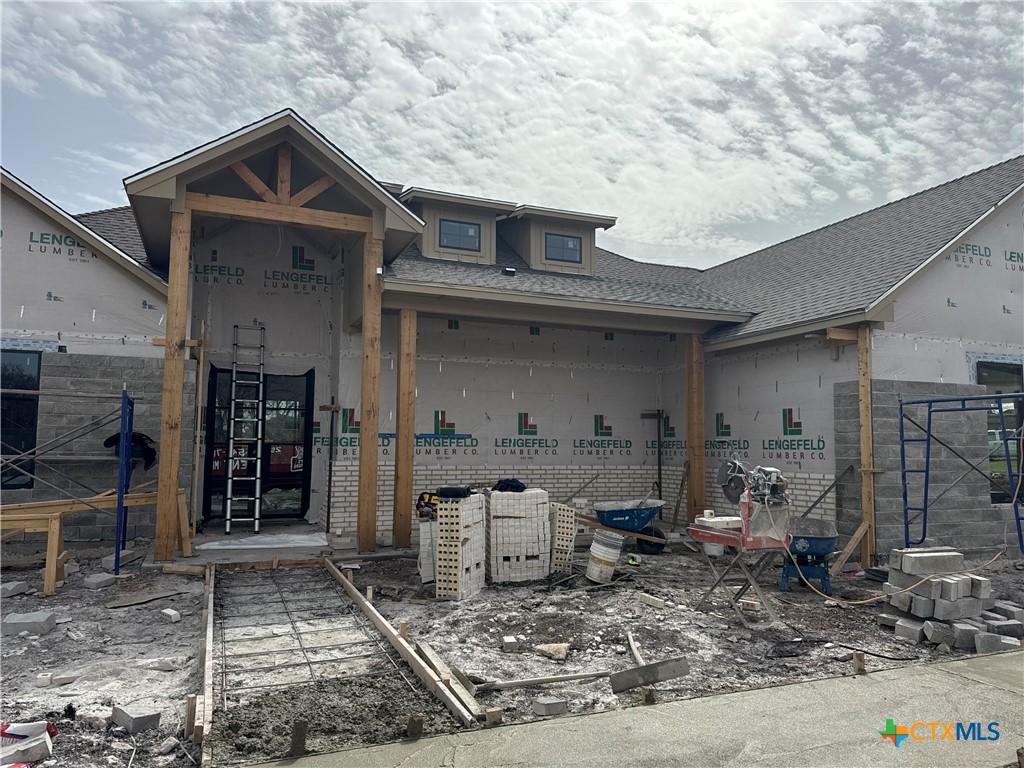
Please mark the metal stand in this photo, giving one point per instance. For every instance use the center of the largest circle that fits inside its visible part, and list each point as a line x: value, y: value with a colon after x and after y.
x: 751, y: 582
x: 247, y: 397
x: 124, y: 476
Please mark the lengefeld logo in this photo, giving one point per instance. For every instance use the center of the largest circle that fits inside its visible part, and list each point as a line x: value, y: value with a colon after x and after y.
x: 721, y: 428
x: 939, y: 731
x: 601, y: 429
x: 299, y: 260
x: 527, y: 428
x: 790, y: 426
x: 441, y: 424
x: 667, y: 430
x: 349, y: 422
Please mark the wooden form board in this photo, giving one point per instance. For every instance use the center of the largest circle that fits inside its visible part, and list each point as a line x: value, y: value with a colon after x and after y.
x: 405, y: 434
x: 436, y: 663
x: 204, y: 711
x: 173, y: 384
x: 695, y: 499
x: 366, y: 510
x: 423, y: 671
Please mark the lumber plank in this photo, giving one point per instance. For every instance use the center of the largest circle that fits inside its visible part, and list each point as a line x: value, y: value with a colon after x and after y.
x: 35, y: 509
x: 695, y: 498
x: 254, y: 182
x: 269, y: 565
x: 867, y: 478
x: 173, y: 384
x: 405, y: 429
x: 648, y: 674
x: 842, y: 334
x: 448, y: 677
x: 311, y: 191
x: 174, y: 569
x: 405, y: 650
x: 844, y: 555
x: 591, y: 522
x: 284, y: 173
x: 211, y: 574
x: 52, y: 553
x: 366, y: 514
x: 184, y: 530
x: 532, y: 682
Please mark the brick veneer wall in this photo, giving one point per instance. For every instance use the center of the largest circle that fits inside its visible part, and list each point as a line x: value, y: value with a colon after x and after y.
x: 104, y: 375
x: 964, y: 517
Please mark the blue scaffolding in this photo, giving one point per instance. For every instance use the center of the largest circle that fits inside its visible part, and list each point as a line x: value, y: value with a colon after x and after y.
x: 1007, y: 436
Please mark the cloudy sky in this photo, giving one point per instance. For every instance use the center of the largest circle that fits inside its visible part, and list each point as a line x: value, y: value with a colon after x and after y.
x: 709, y: 130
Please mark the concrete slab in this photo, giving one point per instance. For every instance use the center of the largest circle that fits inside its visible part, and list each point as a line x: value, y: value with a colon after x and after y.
x: 766, y: 727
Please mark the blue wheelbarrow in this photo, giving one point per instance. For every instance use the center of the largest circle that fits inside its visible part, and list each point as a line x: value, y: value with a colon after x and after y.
x: 814, y: 542
x: 632, y: 518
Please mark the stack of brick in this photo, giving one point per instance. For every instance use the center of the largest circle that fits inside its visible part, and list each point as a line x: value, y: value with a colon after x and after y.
x: 930, y: 598
x: 563, y: 537
x: 428, y: 549
x: 461, y: 547
x: 518, y: 536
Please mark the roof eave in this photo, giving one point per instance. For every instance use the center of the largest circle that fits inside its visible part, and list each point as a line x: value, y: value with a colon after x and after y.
x: 879, y: 314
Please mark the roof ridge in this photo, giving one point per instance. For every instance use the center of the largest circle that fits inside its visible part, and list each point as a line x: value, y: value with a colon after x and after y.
x: 863, y: 213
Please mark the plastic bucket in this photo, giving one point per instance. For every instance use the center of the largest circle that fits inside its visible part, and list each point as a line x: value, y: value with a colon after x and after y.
x: 604, y: 556
x: 714, y: 549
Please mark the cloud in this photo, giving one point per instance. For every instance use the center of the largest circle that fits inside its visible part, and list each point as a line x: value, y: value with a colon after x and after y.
x: 690, y: 123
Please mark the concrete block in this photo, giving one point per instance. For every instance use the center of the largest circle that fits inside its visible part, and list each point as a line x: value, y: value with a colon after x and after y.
x: 992, y: 616
x: 549, y: 705
x: 922, y: 607
x: 35, y: 623
x: 980, y: 586
x: 909, y: 629
x: 989, y: 642
x: 901, y: 601
x: 957, y: 609
x: 12, y: 588
x: 888, y: 619
x: 963, y: 635
x: 925, y: 563
x: 939, y: 633
x: 99, y: 580
x: 128, y: 556
x: 931, y: 588
x: 1007, y: 627
x: 509, y: 643
x: 955, y: 587
x: 43, y: 680
x: 27, y: 751
x: 651, y: 600
x: 171, y: 615
x: 1009, y: 610
x: 135, y: 718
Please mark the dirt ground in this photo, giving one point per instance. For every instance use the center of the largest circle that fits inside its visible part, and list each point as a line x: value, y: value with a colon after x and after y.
x: 812, y: 640
x: 122, y: 656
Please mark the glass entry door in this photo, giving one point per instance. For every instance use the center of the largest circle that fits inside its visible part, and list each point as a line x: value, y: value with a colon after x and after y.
x: 287, y: 442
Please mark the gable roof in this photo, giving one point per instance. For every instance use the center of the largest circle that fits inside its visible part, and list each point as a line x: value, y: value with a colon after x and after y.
x: 82, y: 231
x: 848, y: 267
x: 118, y: 226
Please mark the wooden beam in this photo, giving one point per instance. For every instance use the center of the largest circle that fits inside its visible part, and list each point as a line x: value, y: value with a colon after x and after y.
x: 840, y: 561
x: 32, y: 509
x: 276, y: 213
x: 867, y: 454
x: 405, y: 650
x: 405, y: 432
x: 842, y: 334
x: 369, y: 417
x: 174, y: 381
x: 284, y: 173
x: 254, y: 182
x: 695, y: 427
x: 313, y: 190
x: 160, y: 341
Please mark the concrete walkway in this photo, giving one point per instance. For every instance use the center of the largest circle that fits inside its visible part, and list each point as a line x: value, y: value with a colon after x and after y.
x: 833, y: 722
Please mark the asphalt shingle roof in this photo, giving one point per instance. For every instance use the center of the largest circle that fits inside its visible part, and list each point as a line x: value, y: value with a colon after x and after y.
x: 118, y: 226
x: 844, y: 267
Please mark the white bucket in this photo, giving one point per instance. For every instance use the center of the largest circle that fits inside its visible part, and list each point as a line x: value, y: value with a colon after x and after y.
x: 714, y: 549
x: 604, y: 556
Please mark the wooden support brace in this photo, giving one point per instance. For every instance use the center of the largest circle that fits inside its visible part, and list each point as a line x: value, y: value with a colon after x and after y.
x: 254, y: 182
x: 308, y: 193
x: 405, y: 431
x: 844, y: 555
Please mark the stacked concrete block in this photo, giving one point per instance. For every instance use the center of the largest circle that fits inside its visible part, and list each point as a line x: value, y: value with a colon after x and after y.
x: 563, y: 537
x: 518, y: 536
x: 461, y: 547
x: 428, y: 550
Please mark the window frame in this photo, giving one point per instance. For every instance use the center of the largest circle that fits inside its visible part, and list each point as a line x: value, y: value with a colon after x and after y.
x: 27, y: 483
x: 547, y: 248
x: 441, y: 221
x: 997, y: 495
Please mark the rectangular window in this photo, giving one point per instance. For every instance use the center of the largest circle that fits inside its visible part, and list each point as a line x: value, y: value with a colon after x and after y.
x: 563, y: 248
x: 19, y: 413
x: 1001, y: 379
x: 462, y: 235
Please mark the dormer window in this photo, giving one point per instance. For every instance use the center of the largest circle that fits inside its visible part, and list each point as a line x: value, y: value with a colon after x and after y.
x: 461, y: 235
x: 563, y: 248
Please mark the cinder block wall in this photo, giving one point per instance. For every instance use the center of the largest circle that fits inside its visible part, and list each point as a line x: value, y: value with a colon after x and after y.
x: 85, y: 459
x: 964, y: 516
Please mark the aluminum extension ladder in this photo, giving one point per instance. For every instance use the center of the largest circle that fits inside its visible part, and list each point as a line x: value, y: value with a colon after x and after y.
x: 247, y: 405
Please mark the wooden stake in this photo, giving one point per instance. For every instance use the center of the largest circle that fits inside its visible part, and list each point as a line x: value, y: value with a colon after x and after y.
x: 174, y: 382
x: 405, y: 432
x: 369, y: 594
x: 414, y: 726
x: 298, y: 745
x: 190, y: 714
x: 858, y: 663
x: 366, y: 515
x: 695, y: 428
x: 403, y: 630
x: 867, y: 477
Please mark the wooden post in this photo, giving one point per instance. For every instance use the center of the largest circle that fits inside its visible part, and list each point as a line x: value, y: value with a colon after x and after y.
x: 695, y: 427
x: 867, y: 462
x: 405, y: 433
x: 366, y: 515
x: 174, y: 382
